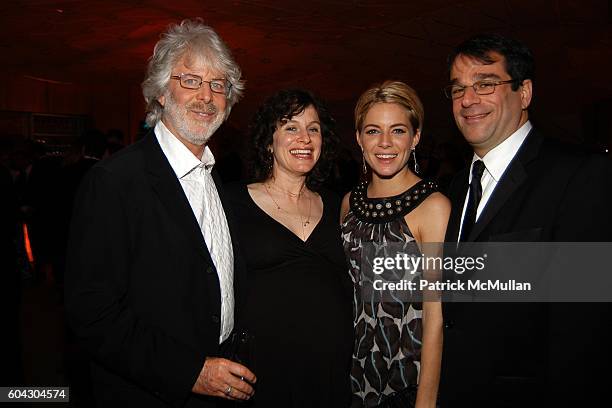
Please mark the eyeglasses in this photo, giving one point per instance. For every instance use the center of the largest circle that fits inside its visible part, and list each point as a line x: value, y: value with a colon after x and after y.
x: 191, y: 81
x: 480, y: 87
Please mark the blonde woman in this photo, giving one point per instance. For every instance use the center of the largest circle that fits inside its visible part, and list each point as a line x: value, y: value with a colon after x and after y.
x: 398, y: 343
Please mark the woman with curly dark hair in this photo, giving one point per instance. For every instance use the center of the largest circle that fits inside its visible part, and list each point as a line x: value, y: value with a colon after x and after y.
x: 298, y: 299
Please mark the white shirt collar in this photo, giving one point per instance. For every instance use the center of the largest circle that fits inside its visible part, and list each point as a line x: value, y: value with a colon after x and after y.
x: 497, y: 159
x: 180, y: 157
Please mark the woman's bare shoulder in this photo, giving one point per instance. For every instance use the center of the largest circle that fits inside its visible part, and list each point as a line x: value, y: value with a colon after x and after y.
x: 437, y: 204
x: 429, y: 220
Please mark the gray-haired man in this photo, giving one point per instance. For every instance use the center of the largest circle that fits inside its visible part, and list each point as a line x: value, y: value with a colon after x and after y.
x: 152, y: 266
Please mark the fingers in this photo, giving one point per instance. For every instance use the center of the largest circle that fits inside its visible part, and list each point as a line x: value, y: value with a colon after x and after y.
x: 239, y: 390
x: 237, y: 393
x: 242, y: 372
x: 226, y: 379
x: 240, y: 380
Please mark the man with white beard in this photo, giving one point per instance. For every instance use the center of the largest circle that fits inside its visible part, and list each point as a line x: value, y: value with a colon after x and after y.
x: 153, y: 272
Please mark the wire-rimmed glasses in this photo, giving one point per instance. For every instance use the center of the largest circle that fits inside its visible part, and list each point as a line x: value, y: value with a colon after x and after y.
x: 485, y: 87
x: 192, y: 81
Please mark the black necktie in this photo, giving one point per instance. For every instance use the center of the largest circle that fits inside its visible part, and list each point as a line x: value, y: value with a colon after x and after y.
x: 474, y: 198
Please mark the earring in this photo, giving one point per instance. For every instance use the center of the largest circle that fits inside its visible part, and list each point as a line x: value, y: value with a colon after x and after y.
x: 270, y: 160
x: 416, y: 165
x: 364, y: 168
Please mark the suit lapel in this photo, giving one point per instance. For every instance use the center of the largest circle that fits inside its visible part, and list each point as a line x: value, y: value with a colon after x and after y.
x: 514, y: 176
x: 169, y: 191
x: 457, y: 193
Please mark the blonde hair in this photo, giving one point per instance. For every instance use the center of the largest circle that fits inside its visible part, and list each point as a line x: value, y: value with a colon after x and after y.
x: 391, y: 92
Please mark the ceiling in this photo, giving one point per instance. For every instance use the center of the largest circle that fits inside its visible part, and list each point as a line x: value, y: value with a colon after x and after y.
x: 335, y: 48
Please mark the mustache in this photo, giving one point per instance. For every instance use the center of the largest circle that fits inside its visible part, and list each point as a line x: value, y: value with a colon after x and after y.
x: 203, y: 107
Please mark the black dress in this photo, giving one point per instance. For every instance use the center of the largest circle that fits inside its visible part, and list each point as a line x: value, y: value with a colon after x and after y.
x: 298, y: 306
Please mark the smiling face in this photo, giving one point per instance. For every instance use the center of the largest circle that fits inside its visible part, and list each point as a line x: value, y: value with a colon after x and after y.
x: 487, y: 120
x: 296, y: 144
x: 192, y: 115
x: 387, y: 138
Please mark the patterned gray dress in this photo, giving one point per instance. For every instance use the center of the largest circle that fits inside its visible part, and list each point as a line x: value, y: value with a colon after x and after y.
x: 387, y: 349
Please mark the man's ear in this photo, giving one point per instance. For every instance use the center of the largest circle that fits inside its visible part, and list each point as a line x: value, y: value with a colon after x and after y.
x: 526, y: 93
x: 162, y: 100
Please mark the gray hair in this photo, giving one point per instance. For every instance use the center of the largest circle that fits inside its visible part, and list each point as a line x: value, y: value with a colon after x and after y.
x: 200, y: 43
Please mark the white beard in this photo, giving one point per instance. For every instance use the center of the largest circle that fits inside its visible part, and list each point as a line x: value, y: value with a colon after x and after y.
x: 191, y: 130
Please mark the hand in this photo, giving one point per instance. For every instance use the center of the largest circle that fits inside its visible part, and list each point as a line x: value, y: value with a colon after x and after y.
x: 226, y: 379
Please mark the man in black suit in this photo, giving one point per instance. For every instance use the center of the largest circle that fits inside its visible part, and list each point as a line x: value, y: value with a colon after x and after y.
x: 152, y: 268
x: 519, y: 187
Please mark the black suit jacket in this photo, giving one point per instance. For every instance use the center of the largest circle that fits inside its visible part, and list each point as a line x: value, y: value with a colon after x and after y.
x: 141, y: 288
x: 528, y: 354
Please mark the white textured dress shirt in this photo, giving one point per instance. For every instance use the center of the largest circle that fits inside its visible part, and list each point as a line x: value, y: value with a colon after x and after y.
x: 199, y: 187
x: 496, y: 162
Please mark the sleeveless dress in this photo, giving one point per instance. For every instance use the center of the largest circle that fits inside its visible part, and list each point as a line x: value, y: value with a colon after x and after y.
x: 387, y: 349
x: 297, y: 305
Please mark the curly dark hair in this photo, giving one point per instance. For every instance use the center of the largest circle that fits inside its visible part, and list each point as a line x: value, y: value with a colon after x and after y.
x: 274, y: 112
x: 519, y: 59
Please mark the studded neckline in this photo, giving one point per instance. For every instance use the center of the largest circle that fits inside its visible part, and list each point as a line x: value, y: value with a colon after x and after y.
x: 385, y: 209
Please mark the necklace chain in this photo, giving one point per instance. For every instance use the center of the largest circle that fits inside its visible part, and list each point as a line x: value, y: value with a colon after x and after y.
x: 289, y: 193
x: 303, y: 222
